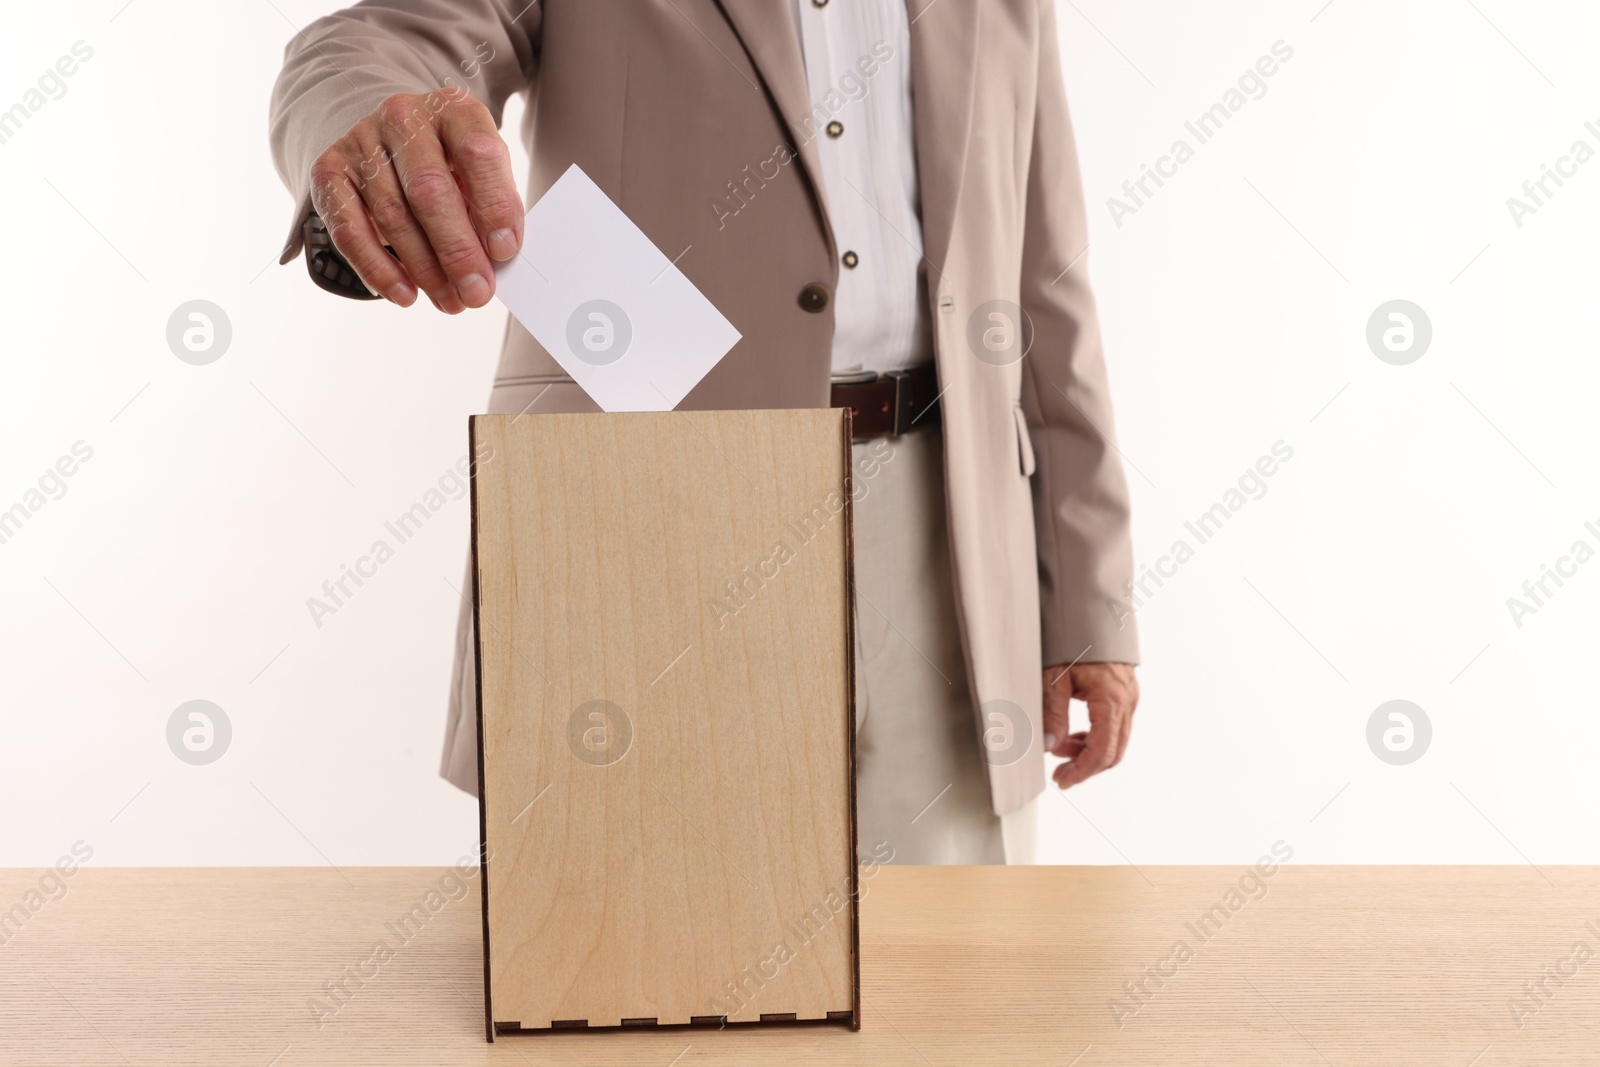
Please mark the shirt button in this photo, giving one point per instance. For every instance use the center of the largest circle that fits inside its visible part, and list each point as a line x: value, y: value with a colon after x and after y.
x: 851, y: 259
x: 819, y: 3
x: 835, y: 128
x: 814, y: 297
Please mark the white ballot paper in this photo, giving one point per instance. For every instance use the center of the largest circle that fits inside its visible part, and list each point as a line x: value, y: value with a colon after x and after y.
x: 633, y: 332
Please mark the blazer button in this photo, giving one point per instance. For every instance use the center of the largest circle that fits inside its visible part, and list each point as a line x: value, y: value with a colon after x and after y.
x: 814, y: 297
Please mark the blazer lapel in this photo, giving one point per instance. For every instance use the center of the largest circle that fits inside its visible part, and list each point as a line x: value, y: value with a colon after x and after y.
x: 766, y: 29
x: 944, y: 65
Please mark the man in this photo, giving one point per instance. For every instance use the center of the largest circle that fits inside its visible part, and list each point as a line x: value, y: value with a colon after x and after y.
x: 864, y: 188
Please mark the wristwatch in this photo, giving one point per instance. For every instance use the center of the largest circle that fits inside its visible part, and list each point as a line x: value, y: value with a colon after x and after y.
x: 328, y: 268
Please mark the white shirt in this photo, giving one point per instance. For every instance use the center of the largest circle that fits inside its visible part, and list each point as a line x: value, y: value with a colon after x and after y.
x: 858, y: 71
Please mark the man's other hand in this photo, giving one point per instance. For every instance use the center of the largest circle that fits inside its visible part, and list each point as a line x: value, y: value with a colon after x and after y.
x: 1111, y: 692
x: 430, y: 177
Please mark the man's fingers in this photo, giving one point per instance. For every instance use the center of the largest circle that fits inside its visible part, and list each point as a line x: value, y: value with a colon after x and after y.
x: 1104, y: 744
x: 482, y: 166
x: 1095, y: 757
x: 1108, y: 715
x: 1115, y: 704
x: 1072, y: 746
x: 1055, y: 726
x: 1126, y: 732
x: 434, y: 200
x: 386, y: 203
x: 430, y: 177
x: 340, y: 206
x: 1057, y: 699
x: 1111, y: 693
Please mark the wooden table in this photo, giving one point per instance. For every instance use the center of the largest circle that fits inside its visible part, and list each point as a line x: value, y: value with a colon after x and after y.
x: 960, y: 966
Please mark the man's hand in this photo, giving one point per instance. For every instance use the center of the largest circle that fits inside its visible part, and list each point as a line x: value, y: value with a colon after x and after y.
x: 430, y: 177
x: 1111, y: 692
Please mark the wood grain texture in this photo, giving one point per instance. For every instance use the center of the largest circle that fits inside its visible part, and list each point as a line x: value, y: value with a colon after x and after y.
x: 1350, y: 966
x: 666, y: 716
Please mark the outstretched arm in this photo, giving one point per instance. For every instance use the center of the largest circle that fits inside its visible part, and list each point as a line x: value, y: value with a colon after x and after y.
x: 385, y: 119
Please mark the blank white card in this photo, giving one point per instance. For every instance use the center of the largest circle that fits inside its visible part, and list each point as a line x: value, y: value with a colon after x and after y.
x: 607, y: 304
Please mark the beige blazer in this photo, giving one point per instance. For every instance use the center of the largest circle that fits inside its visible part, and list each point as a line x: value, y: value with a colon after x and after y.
x: 694, y: 116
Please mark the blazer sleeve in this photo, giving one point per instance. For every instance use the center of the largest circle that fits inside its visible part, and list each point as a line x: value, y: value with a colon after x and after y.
x: 1080, y: 496
x: 341, y: 66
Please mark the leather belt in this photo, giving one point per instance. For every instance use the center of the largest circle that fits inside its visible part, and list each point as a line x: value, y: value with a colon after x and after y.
x: 889, y: 404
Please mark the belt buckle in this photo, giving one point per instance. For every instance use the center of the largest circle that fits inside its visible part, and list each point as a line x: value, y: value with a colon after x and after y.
x: 901, y: 424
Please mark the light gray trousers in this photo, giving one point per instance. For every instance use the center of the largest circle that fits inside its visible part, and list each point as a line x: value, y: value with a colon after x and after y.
x: 921, y: 784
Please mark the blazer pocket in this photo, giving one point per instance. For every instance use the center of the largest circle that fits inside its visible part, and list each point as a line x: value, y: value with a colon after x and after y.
x: 1024, y: 442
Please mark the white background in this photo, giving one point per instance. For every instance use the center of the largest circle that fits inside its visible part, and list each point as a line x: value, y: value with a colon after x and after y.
x: 1235, y: 302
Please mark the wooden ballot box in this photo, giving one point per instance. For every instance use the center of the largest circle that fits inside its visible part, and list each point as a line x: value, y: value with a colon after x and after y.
x: 665, y: 718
